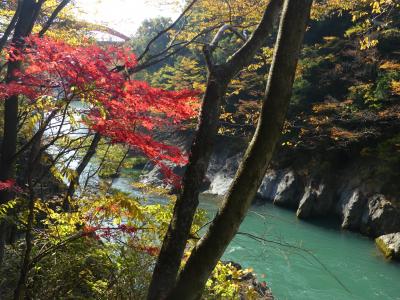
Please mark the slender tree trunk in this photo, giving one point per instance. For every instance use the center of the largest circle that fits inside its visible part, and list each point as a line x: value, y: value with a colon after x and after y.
x: 170, y: 257
x: 33, y: 163
x: 23, y: 27
x: 19, y: 293
x: 79, y: 170
x: 11, y: 26
x: 211, y: 247
x: 174, y: 243
x: 53, y: 16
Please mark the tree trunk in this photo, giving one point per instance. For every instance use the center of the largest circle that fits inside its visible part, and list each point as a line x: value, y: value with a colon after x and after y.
x: 11, y: 26
x: 19, y: 292
x: 79, y: 170
x: 53, y: 16
x: 170, y: 257
x: 33, y: 163
x: 174, y: 243
x: 211, y: 247
x: 23, y: 28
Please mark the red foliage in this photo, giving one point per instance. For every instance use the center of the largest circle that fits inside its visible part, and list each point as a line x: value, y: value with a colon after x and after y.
x: 125, y: 110
x: 112, y: 233
x: 7, y: 185
x: 109, y: 232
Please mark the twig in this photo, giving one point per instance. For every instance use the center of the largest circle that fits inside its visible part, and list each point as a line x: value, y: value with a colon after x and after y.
x: 260, y: 239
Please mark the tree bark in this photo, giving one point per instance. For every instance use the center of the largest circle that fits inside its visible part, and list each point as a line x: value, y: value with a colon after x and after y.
x: 11, y: 26
x: 34, y: 159
x: 211, y: 247
x: 23, y: 27
x: 53, y: 16
x: 219, y: 76
x: 9, y: 144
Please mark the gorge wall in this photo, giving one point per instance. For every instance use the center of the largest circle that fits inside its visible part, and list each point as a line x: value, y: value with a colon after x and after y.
x: 361, y: 191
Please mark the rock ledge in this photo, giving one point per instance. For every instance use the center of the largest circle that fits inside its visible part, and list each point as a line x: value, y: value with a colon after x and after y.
x: 389, y: 244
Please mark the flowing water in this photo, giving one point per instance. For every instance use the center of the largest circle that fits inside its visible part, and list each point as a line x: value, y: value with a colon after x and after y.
x: 303, y: 260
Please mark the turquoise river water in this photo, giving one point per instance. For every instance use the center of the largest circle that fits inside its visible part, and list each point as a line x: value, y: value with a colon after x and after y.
x: 343, y: 265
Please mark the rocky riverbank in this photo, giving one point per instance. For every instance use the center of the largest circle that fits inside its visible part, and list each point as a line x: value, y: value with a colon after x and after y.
x: 361, y: 191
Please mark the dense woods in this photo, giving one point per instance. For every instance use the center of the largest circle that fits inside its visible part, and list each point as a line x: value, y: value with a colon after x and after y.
x: 304, y: 85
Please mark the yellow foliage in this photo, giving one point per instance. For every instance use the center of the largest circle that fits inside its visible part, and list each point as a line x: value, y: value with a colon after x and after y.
x: 367, y: 43
x: 363, y: 13
x: 226, y: 283
x: 238, y: 13
x: 390, y: 66
x: 395, y: 85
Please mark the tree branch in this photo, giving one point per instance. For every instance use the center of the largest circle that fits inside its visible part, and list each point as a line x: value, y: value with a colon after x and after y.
x: 147, y: 49
x: 11, y: 26
x: 53, y: 16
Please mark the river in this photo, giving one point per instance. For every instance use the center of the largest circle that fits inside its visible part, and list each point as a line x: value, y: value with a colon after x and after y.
x: 338, y: 257
x: 343, y: 265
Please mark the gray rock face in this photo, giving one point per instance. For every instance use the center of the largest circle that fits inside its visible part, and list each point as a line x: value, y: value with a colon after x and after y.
x: 389, y: 244
x: 352, y: 204
x: 220, y: 184
x: 343, y: 184
x: 153, y: 176
x: 221, y: 174
x: 380, y: 217
x: 316, y: 201
x: 269, y: 185
x: 289, y: 190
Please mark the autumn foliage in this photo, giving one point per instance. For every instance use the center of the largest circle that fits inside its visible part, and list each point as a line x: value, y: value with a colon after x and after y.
x: 125, y: 110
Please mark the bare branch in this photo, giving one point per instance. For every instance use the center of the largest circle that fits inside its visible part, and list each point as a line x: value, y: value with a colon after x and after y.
x: 147, y: 49
x: 53, y: 16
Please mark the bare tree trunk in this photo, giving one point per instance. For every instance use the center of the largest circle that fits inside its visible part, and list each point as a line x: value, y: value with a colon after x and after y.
x: 211, y: 247
x: 79, y: 170
x: 219, y: 76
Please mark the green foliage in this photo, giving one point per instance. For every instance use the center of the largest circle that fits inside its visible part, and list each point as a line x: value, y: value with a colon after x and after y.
x: 147, y: 31
x: 83, y: 269
x: 80, y: 260
x: 185, y: 73
x: 375, y: 94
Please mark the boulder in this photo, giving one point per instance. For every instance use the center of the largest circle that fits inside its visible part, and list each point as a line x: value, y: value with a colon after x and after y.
x: 153, y: 175
x: 352, y: 203
x: 389, y: 244
x: 220, y: 184
x: 316, y: 201
x: 221, y: 175
x: 289, y: 190
x: 269, y: 185
x: 380, y: 217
